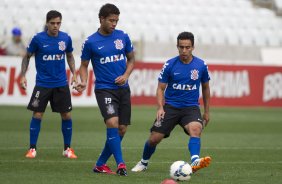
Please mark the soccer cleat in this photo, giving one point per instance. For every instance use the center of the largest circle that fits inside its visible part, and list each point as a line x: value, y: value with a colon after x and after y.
x: 200, y: 163
x: 103, y: 169
x: 121, y: 169
x: 69, y: 153
x: 31, y: 153
x: 140, y: 166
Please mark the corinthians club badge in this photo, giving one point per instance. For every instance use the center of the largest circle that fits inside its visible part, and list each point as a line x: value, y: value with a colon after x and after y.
x: 35, y: 102
x: 158, y: 123
x: 118, y: 44
x: 110, y: 109
x: 194, y: 74
x: 62, y: 46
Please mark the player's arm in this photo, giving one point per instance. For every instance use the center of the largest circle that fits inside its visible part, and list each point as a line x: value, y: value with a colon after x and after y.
x: 83, y: 73
x: 206, y: 101
x: 24, y: 67
x: 71, y: 63
x: 160, y: 100
x: 121, y: 80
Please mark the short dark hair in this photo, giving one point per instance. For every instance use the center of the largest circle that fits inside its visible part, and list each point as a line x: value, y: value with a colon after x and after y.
x: 108, y: 9
x: 53, y: 14
x: 186, y: 36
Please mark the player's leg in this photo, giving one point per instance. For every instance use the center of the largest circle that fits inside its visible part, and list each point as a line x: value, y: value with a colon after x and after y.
x: 124, y: 114
x: 114, y: 143
x: 67, y: 135
x: 37, y: 104
x: 101, y: 166
x: 148, y: 150
x: 194, y: 144
x: 121, y: 131
x: 160, y: 129
x: 192, y: 123
x: 124, y: 111
x: 35, y: 125
x: 108, y: 105
x: 106, y: 153
x: 66, y: 129
x: 61, y: 102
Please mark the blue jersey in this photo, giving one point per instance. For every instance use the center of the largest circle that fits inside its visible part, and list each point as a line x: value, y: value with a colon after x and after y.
x: 108, y: 57
x: 50, y: 58
x: 183, y: 81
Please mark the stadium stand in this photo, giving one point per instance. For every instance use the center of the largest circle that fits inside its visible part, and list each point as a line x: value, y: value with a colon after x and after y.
x: 238, y: 26
x: 278, y: 7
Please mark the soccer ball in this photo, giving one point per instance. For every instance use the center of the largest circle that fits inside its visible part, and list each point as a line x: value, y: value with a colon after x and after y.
x: 180, y: 171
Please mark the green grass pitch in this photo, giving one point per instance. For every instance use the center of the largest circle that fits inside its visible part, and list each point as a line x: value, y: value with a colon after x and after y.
x: 244, y: 143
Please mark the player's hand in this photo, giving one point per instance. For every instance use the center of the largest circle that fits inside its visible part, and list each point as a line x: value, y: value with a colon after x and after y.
x: 80, y: 86
x: 74, y: 82
x: 23, y: 82
x: 206, y: 119
x: 160, y: 114
x: 121, y: 80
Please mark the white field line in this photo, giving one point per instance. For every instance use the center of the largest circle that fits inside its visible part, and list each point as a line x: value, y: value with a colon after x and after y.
x: 159, y: 148
x: 153, y: 162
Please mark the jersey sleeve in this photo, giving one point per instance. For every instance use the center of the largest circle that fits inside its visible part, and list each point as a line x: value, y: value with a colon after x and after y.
x: 128, y: 44
x: 69, y: 46
x: 164, y: 74
x: 33, y: 45
x: 86, y: 51
x: 205, y: 77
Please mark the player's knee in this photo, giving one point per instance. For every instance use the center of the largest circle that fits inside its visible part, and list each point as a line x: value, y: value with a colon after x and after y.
x: 122, y: 130
x: 66, y: 116
x: 195, y: 131
x: 154, y: 140
x: 112, y: 122
x: 38, y: 115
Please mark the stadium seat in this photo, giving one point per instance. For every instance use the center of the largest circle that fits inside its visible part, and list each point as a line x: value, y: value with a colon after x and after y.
x: 214, y: 22
x: 246, y: 37
x: 273, y: 37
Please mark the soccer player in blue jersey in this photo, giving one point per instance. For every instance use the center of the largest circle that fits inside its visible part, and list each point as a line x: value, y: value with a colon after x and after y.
x: 112, y: 57
x: 177, y: 100
x: 50, y: 48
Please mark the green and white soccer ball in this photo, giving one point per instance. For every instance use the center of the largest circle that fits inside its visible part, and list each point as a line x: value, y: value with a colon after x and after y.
x: 180, y: 171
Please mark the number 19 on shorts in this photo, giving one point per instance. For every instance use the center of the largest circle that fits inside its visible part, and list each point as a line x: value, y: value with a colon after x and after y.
x: 108, y: 100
